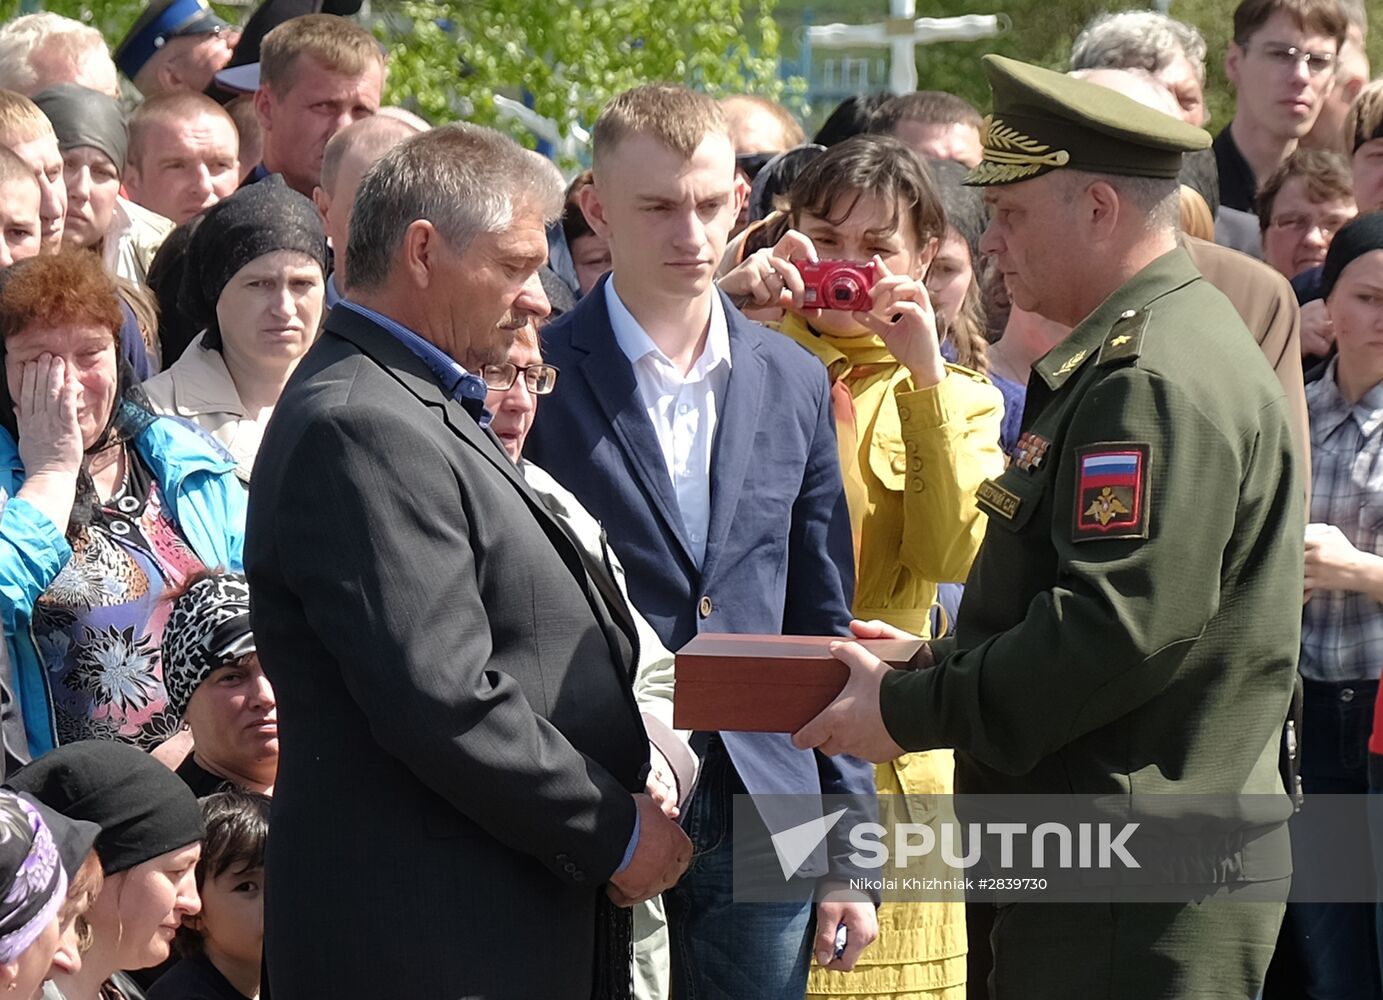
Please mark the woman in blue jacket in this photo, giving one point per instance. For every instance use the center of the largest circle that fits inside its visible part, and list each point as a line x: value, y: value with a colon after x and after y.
x: 106, y: 507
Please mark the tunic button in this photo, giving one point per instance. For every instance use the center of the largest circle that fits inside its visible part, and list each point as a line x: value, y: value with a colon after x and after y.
x: 918, y: 486
x: 900, y: 462
x: 1128, y: 314
x: 705, y: 607
x: 1347, y: 694
x: 119, y: 527
x: 917, y: 465
x: 904, y: 412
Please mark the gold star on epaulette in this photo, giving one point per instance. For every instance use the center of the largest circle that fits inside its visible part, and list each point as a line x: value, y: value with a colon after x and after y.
x: 1125, y: 340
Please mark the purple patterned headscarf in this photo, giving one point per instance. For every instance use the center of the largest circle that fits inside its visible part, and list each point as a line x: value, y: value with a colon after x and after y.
x: 32, y: 881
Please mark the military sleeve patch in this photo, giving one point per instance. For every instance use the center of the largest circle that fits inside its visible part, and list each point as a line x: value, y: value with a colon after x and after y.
x: 1111, y: 491
x: 997, y: 500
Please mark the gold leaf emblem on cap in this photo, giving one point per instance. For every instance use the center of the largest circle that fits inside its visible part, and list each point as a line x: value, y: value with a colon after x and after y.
x: 1010, y: 155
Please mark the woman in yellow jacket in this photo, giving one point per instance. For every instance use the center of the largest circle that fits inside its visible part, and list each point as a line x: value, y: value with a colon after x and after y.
x: 917, y: 437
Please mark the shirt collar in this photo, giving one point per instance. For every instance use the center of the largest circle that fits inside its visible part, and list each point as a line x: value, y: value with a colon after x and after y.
x: 467, y: 389
x: 1329, y: 408
x: 636, y: 344
x: 332, y: 296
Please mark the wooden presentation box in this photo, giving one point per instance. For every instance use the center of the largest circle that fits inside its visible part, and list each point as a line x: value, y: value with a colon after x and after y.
x: 765, y: 683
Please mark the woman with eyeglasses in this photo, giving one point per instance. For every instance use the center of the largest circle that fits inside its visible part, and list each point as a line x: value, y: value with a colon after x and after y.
x: 254, y: 284
x: 515, y: 386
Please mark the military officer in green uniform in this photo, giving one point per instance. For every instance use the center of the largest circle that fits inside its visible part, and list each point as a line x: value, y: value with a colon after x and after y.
x: 1130, y: 626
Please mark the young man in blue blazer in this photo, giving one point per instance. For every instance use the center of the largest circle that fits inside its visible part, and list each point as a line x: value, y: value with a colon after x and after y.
x: 704, y: 443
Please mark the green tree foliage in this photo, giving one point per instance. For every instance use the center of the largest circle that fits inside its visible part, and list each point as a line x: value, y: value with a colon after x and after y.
x: 450, y: 57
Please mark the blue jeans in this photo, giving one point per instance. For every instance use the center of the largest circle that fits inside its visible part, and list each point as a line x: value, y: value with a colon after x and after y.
x: 722, y: 950
x: 1336, y: 943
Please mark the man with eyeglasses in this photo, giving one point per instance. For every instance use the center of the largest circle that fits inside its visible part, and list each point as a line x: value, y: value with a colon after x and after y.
x: 1282, y: 63
x: 1301, y: 207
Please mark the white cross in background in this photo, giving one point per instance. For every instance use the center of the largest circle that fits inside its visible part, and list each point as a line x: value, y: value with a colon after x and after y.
x: 903, y: 32
x: 546, y: 129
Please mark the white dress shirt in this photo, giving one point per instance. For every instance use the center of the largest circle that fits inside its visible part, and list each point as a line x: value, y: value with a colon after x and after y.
x: 682, y: 408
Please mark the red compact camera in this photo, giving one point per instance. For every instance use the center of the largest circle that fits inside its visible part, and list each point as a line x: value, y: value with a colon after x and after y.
x: 838, y: 284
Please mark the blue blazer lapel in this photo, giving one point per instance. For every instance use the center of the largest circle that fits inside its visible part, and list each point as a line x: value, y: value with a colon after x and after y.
x: 611, y: 377
x: 735, y: 431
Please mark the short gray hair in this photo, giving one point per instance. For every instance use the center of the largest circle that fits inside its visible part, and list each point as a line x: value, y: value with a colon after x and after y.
x: 43, y: 33
x: 1137, y: 39
x: 462, y: 178
x: 1157, y: 199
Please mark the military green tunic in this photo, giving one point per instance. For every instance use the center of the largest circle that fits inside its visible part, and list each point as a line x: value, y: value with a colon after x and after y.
x: 1131, y: 623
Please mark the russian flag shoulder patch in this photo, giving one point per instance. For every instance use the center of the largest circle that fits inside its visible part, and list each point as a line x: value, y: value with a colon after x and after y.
x: 1111, y: 491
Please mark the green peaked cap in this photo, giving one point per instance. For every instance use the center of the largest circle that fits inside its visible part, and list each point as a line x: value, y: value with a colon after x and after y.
x: 1043, y: 121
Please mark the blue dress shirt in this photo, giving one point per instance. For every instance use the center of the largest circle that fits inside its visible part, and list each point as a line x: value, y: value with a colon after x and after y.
x: 467, y: 389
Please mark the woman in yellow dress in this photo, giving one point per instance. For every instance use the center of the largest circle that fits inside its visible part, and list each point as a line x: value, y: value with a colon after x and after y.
x: 917, y: 437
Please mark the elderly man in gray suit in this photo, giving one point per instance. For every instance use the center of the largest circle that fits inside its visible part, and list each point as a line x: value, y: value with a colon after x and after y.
x: 463, y: 762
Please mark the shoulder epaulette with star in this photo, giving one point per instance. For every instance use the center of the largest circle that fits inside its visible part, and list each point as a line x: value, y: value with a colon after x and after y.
x: 1125, y: 339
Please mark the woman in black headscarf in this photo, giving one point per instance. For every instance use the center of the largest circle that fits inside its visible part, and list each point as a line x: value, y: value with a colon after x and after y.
x: 92, y: 136
x: 109, y: 506
x: 254, y: 285
x: 150, y: 840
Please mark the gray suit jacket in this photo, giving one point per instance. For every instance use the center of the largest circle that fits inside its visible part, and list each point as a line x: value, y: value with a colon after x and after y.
x: 459, y: 734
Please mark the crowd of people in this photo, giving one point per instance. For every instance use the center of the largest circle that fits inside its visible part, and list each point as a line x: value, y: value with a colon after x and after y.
x: 361, y: 479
